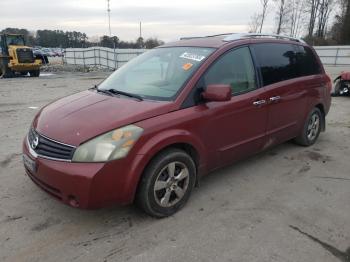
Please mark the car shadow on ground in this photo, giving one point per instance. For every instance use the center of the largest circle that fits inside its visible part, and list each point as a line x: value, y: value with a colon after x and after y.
x: 130, y: 214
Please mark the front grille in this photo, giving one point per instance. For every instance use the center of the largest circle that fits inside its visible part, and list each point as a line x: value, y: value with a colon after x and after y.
x: 49, y: 148
x: 25, y: 55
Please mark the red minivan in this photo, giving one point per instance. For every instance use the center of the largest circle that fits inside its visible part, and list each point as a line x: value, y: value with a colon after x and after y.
x: 149, y: 131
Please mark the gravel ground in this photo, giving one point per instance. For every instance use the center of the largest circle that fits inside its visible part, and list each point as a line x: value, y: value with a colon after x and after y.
x: 287, y: 204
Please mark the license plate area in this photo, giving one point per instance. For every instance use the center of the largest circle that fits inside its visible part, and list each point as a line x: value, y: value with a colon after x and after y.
x: 30, y: 164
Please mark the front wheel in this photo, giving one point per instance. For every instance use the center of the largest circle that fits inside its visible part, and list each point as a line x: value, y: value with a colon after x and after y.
x: 34, y: 73
x: 312, y: 128
x: 167, y: 183
x: 5, y: 72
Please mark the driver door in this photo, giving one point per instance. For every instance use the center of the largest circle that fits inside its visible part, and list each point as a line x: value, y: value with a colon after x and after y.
x: 236, y: 128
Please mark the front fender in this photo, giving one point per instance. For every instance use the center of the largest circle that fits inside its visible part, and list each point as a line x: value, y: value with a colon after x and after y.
x: 166, y: 138
x: 152, y: 145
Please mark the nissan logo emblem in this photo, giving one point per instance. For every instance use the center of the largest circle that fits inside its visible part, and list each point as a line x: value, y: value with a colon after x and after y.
x: 35, y: 142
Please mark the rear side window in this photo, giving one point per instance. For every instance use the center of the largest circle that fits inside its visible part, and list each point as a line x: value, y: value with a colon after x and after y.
x: 307, y: 62
x: 277, y: 62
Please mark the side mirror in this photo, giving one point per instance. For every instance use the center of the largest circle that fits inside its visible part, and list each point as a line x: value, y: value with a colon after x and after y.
x: 217, y: 93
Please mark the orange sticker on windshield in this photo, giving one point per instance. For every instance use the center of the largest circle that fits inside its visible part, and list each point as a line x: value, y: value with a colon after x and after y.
x: 187, y: 66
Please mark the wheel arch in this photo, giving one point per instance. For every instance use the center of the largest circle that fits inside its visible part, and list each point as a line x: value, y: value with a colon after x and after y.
x: 185, y: 146
x: 183, y: 140
x: 320, y: 106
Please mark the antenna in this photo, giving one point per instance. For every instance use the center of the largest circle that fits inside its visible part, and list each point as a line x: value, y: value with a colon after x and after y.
x: 109, y: 18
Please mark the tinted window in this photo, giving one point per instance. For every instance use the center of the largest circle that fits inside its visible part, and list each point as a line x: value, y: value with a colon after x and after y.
x: 234, y: 68
x: 14, y: 40
x: 307, y: 62
x: 277, y: 62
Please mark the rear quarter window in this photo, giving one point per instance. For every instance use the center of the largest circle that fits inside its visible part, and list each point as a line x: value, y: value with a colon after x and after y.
x: 307, y: 62
x: 277, y: 62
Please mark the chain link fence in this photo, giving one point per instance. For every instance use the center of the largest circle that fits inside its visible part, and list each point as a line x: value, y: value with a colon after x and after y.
x: 115, y: 58
x: 100, y: 56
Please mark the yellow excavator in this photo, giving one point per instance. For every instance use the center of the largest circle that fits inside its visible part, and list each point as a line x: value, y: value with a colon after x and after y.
x: 16, y: 57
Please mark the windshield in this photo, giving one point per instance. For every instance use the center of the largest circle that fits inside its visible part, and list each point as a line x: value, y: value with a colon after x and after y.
x: 14, y: 40
x: 158, y: 74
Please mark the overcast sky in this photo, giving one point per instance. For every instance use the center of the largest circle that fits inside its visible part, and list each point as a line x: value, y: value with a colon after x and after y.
x: 167, y: 20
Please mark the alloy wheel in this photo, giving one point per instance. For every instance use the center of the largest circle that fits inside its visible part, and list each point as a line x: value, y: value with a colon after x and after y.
x: 171, y: 184
x: 313, y: 127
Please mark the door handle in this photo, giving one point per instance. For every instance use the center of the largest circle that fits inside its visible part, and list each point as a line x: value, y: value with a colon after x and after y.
x: 259, y: 102
x: 275, y: 98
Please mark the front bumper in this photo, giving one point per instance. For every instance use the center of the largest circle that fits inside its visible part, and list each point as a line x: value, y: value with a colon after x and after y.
x: 25, y: 66
x: 86, y: 185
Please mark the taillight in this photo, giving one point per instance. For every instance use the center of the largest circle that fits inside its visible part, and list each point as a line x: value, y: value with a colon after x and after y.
x: 329, y: 83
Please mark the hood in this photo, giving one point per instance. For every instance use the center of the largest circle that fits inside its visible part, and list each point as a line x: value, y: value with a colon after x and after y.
x: 82, y: 116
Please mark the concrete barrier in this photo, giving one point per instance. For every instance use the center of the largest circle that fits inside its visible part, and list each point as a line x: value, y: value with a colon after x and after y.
x: 334, y: 55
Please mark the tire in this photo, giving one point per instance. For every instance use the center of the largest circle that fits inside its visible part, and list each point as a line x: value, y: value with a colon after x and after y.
x: 2, y: 73
x: 336, y: 91
x: 167, y: 183
x: 312, y: 128
x: 5, y: 72
x: 34, y: 73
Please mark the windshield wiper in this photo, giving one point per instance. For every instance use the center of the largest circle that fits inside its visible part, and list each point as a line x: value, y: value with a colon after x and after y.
x: 107, y: 92
x: 113, y: 91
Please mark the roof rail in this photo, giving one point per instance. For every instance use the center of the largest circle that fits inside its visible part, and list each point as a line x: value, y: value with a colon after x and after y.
x: 191, y: 37
x: 196, y: 37
x: 239, y: 36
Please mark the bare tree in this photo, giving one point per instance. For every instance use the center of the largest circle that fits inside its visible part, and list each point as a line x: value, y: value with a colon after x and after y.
x: 343, y: 6
x: 325, y: 9
x: 296, y: 16
x: 314, y: 6
x: 281, y: 15
x: 254, y: 23
x: 345, y: 32
x: 264, y: 4
x: 337, y: 29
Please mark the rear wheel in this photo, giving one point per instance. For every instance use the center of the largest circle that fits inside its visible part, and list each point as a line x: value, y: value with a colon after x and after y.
x: 34, y: 73
x: 167, y: 183
x: 312, y: 128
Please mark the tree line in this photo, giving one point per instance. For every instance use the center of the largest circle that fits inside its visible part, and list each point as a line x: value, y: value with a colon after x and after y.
x: 74, y: 39
x: 309, y: 19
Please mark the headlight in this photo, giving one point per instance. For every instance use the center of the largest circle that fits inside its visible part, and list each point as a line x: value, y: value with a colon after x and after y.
x: 113, y: 145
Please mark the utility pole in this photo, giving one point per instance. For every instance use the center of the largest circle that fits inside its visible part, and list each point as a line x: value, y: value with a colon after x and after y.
x: 140, y: 30
x: 110, y: 34
x: 109, y: 18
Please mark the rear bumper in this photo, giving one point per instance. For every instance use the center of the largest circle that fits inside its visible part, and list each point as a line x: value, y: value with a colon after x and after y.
x: 86, y: 185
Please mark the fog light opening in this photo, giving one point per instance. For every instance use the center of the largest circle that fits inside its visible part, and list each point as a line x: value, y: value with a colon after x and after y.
x: 73, y: 201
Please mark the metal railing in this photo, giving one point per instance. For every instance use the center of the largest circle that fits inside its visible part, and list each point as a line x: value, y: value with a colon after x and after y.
x: 100, y: 56
x: 334, y: 55
x: 115, y: 58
